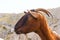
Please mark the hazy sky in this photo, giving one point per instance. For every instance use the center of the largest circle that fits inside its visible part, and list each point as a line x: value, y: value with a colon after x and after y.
x: 18, y: 6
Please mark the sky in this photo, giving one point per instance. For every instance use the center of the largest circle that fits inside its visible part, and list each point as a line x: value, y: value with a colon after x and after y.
x: 1, y: 39
x: 18, y: 6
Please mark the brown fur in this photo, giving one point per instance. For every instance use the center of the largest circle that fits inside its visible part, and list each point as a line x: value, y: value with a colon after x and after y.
x: 38, y: 25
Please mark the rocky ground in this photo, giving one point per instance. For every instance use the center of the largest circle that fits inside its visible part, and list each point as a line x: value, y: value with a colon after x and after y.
x: 8, y: 21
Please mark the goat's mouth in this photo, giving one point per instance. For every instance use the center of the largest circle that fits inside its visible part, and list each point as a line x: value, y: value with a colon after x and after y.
x: 21, y: 32
x: 18, y: 32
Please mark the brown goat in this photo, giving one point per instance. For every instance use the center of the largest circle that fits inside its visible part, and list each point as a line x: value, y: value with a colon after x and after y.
x: 35, y: 21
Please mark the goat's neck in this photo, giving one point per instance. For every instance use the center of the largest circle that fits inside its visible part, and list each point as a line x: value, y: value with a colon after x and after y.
x: 47, y: 32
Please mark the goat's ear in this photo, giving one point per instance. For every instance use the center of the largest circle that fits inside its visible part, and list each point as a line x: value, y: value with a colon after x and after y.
x: 25, y: 12
x: 33, y: 14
